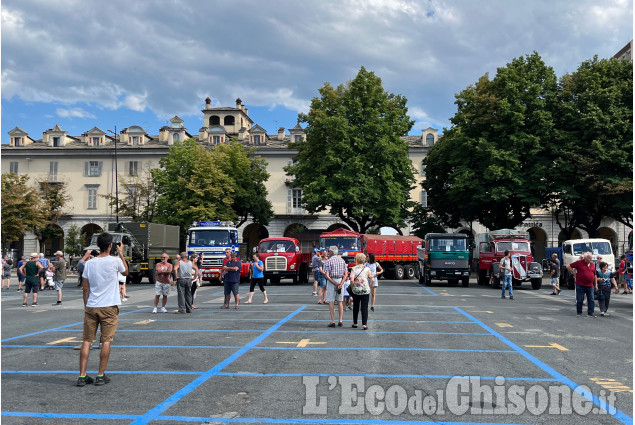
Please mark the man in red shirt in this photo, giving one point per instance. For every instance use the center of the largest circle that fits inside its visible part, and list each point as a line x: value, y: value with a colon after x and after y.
x: 584, y: 272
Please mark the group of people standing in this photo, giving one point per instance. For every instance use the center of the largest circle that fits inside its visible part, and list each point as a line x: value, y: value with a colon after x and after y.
x: 32, y: 273
x: 184, y: 274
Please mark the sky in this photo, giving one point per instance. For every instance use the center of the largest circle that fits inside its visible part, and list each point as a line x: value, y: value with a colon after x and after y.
x: 86, y: 63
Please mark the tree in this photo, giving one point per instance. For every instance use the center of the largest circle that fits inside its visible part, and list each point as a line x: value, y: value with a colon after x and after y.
x: 138, y: 197
x: 21, y: 207
x: 248, y: 174
x: 55, y: 198
x: 594, y: 149
x: 191, y: 187
x: 493, y: 164
x: 354, y: 162
x: 424, y: 222
x: 73, y: 241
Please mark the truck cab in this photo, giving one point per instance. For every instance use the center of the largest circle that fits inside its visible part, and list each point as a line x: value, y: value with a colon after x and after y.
x: 574, y: 248
x: 444, y: 256
x: 282, y: 259
x: 211, y: 238
x: 347, y: 242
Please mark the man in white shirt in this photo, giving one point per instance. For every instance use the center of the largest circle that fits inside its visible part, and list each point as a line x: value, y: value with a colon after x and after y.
x: 101, y: 305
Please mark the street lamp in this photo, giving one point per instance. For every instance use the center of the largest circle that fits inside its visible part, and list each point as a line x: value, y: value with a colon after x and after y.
x: 116, y: 178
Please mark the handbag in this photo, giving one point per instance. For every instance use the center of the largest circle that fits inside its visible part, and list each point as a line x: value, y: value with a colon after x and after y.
x: 349, y: 288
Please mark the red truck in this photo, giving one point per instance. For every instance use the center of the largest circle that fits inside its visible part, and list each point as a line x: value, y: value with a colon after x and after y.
x: 491, y: 249
x: 396, y: 254
x: 282, y: 259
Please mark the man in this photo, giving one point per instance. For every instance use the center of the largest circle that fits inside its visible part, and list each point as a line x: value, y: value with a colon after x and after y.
x: 554, y: 273
x: 21, y: 277
x: 584, y: 274
x: 184, y: 270
x: 232, y: 279
x: 506, y: 266
x: 228, y: 257
x: 101, y: 305
x: 336, y: 273
x: 315, y: 261
x: 59, y: 267
x: 622, y: 273
x: 44, y: 262
x: 31, y: 270
x: 164, y: 282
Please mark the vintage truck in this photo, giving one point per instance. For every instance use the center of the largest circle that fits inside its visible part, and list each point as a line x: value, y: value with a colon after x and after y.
x: 444, y: 256
x: 283, y: 259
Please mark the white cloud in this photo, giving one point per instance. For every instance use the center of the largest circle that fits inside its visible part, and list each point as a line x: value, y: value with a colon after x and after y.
x: 74, y: 113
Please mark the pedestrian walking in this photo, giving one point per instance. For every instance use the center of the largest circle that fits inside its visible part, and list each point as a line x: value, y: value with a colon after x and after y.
x: 31, y: 270
x: 6, y: 272
x: 101, y: 305
x: 621, y: 276
x: 184, y: 270
x: 164, y: 282
x: 377, y: 270
x: 257, y: 278
x: 584, y: 275
x: 336, y: 273
x: 315, y: 267
x: 321, y: 280
x: 59, y: 276
x: 196, y: 277
x: 506, y: 266
x: 361, y: 278
x: 554, y: 273
x: 604, y: 282
x: 232, y: 280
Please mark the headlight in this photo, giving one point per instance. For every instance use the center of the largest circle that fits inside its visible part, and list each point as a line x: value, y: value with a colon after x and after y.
x: 433, y: 273
x: 292, y: 267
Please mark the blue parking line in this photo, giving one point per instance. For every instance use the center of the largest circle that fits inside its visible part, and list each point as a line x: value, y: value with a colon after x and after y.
x: 397, y: 321
x: 386, y: 332
x: 385, y: 349
x: 67, y: 415
x: 175, y: 330
x: 619, y: 415
x: 155, y: 412
x: 427, y: 289
x: 110, y: 372
x: 128, y: 346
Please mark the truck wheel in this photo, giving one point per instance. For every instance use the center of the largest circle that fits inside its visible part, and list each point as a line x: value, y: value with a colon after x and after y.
x: 426, y: 279
x: 295, y: 279
x: 421, y: 274
x: 136, y: 278
x: 409, y: 272
x: 399, y: 272
x: 305, y: 274
x: 482, y: 277
x: 536, y: 283
x: 465, y: 281
x: 495, y: 282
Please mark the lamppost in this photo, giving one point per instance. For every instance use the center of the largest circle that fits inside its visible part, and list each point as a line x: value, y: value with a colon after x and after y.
x: 116, y: 178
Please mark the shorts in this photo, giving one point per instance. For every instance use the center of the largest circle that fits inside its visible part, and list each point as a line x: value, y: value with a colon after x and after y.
x: 43, y: 274
x: 58, y: 284
x: 7, y: 275
x: 162, y: 289
x: 28, y: 286
x: 104, y: 317
x: 555, y: 281
x: 231, y: 287
x: 332, y: 295
x: 21, y: 278
x: 322, y: 281
x: 316, y: 275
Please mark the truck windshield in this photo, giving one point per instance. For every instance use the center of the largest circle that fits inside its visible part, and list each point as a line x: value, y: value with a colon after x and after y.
x: 342, y: 242
x: 277, y: 246
x: 512, y: 246
x: 448, y: 245
x: 209, y: 237
x: 596, y: 248
x: 115, y: 239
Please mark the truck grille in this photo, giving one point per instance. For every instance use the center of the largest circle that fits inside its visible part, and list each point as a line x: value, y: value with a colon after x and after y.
x: 275, y: 263
x: 213, y: 262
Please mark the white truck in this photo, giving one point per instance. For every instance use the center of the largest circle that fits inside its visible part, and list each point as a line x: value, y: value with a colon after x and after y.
x: 574, y: 248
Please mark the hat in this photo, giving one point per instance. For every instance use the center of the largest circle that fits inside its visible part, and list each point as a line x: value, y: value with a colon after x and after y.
x: 33, y: 254
x: 59, y: 253
x: 316, y: 250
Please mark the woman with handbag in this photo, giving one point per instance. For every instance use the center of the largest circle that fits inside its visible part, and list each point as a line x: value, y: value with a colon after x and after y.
x: 361, y: 277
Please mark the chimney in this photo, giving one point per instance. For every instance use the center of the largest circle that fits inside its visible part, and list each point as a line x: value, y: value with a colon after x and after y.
x: 239, y: 104
x: 208, y: 103
x: 281, y: 133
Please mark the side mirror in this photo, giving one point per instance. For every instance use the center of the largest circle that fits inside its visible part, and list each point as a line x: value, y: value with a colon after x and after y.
x: 254, y: 249
x: 297, y: 248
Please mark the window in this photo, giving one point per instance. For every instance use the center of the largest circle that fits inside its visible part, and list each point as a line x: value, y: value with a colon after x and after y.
x: 92, y: 198
x: 133, y: 192
x: 298, y: 138
x: 423, y: 169
x: 133, y: 167
x: 214, y: 120
x: 53, y: 171
x: 216, y: 140
x: 430, y: 140
x: 175, y: 137
x: 95, y: 141
x: 56, y: 142
x: 229, y: 120
x: 256, y: 140
x: 13, y: 167
x: 17, y: 141
x: 176, y: 125
x: 135, y: 140
x: 92, y: 168
x: 294, y: 202
x: 424, y: 198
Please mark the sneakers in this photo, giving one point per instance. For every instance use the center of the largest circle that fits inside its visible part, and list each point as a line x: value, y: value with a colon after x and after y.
x: 606, y: 313
x: 24, y: 305
x: 511, y: 298
x: 314, y: 294
x: 154, y: 310
x: 591, y: 316
x: 372, y: 309
x: 601, y: 313
x: 57, y: 303
x: 331, y: 325
x: 35, y: 305
x: 503, y: 297
x: 101, y: 380
x: 340, y: 324
x: 83, y: 380
x: 163, y: 310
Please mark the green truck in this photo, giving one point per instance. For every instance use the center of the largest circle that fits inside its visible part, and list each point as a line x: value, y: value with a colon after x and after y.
x: 444, y: 256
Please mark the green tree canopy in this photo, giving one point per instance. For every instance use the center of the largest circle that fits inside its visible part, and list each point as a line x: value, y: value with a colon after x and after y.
x: 21, y: 207
x: 493, y: 164
x: 137, y: 196
x: 55, y: 198
x: 354, y: 162
x: 594, y: 149
x: 73, y: 240
x: 248, y: 174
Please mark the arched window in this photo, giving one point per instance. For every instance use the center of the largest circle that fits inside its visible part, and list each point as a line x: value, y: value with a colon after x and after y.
x: 175, y: 137
x: 214, y: 120
x: 430, y: 140
x: 229, y: 120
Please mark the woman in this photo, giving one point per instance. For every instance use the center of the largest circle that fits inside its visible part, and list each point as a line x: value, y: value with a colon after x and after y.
x: 257, y: 277
x: 322, y: 280
x: 7, y: 263
x: 196, y: 277
x: 361, y: 277
x: 604, y: 282
x: 376, y: 269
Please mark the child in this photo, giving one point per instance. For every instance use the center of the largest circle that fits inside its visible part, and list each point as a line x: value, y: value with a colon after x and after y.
x: 347, y: 298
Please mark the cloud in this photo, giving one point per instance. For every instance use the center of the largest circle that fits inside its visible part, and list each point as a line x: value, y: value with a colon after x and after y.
x: 74, y: 113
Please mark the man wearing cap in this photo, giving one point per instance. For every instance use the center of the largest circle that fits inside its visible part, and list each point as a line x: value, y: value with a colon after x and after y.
x: 59, y: 267
x: 31, y: 269
x: 315, y: 263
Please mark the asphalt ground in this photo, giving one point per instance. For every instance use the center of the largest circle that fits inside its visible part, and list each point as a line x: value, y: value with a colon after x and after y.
x: 431, y: 355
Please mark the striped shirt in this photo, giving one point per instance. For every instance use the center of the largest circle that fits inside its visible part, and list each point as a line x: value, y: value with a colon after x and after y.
x: 335, y: 267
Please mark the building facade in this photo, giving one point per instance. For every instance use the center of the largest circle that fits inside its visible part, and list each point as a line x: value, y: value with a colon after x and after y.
x: 88, y: 163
